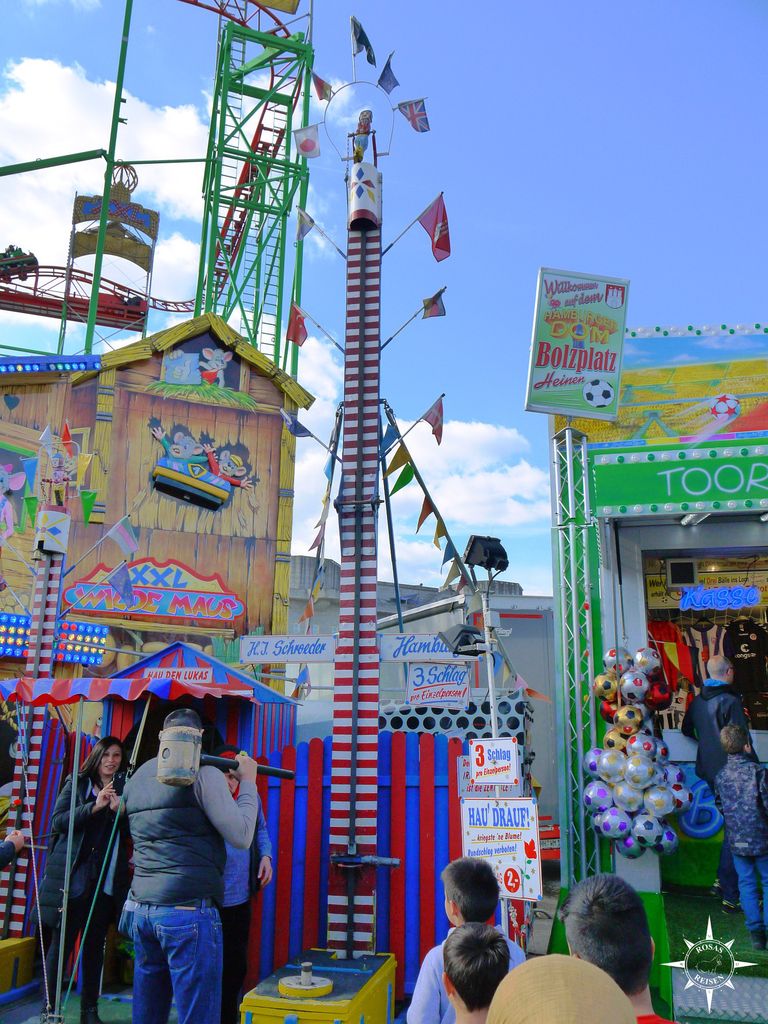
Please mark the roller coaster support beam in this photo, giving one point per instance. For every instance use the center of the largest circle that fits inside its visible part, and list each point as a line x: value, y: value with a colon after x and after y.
x: 53, y: 161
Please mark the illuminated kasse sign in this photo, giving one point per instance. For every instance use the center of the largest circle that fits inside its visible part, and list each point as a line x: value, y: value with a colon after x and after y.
x: 163, y: 590
x: 697, y: 598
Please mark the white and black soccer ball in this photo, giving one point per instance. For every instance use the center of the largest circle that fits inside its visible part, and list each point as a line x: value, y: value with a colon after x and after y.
x: 598, y: 393
x: 647, y: 830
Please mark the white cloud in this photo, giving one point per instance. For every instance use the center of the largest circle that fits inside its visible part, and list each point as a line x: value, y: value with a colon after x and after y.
x: 476, y: 477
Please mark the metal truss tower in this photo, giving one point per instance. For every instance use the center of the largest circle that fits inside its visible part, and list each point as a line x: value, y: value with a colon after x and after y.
x: 575, y: 706
x: 261, y: 94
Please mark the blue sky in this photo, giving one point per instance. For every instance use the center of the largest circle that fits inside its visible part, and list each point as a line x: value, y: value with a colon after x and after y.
x: 618, y: 139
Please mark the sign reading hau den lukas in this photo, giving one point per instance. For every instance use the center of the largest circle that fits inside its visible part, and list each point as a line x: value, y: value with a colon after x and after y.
x: 682, y: 480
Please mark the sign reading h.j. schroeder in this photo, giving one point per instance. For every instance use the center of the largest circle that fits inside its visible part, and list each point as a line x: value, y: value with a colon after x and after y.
x: 663, y: 481
x: 263, y: 650
x: 578, y: 334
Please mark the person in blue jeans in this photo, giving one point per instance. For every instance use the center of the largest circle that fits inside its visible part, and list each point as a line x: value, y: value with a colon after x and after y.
x: 741, y: 789
x: 179, y: 835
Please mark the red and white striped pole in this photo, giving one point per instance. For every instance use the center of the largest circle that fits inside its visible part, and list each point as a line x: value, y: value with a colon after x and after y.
x: 352, y: 888
x: 52, y: 531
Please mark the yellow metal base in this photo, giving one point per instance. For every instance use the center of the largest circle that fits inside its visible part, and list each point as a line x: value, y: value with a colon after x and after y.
x: 363, y: 992
x: 16, y: 962
x: 292, y: 988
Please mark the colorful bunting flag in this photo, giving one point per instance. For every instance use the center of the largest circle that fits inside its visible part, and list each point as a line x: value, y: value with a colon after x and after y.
x: 303, y: 686
x: 322, y: 88
x: 120, y: 581
x: 390, y: 436
x: 309, y: 611
x: 30, y: 471
x: 404, y: 479
x: 387, y: 80
x: 440, y: 531
x: 434, y: 305
x: 328, y: 468
x: 319, y: 538
x: 399, y: 459
x: 427, y: 509
x: 122, y: 534
x: 30, y: 504
x: 293, y: 426
x: 415, y: 113
x: 66, y: 439
x: 87, y: 501
x: 317, y: 586
x: 450, y: 552
x: 83, y: 462
x: 360, y: 41
x: 46, y: 442
x: 304, y: 224
x: 434, y: 220
x: 434, y: 417
x: 307, y: 141
x: 453, y: 573
x: 296, y: 332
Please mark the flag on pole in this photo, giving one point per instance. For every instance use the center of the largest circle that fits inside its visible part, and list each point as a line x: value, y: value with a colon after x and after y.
x: 427, y: 509
x: 122, y: 534
x: 434, y: 417
x: 83, y: 462
x: 319, y: 538
x: 293, y: 426
x: 46, y: 442
x: 390, y: 436
x: 415, y: 113
x: 303, y: 686
x: 120, y: 581
x: 434, y: 305
x: 400, y: 458
x: 304, y: 224
x: 440, y: 531
x: 322, y: 88
x: 453, y: 572
x: 309, y: 611
x: 87, y: 501
x: 66, y: 439
x: 307, y: 141
x: 434, y: 220
x: 450, y: 552
x: 360, y: 41
x: 387, y: 80
x: 296, y: 332
x: 405, y: 478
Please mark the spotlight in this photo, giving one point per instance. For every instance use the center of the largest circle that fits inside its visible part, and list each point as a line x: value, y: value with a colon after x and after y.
x: 463, y: 640
x: 487, y: 553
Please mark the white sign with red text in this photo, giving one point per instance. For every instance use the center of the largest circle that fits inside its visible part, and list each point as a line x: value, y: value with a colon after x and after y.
x: 467, y: 789
x: 495, y: 762
x: 506, y: 834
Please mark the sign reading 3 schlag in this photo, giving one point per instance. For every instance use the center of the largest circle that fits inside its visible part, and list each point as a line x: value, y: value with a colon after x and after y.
x: 506, y: 834
x: 576, y: 348
x: 494, y: 761
x: 160, y: 589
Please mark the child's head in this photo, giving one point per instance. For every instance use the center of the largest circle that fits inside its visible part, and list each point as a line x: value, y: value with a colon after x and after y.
x: 475, y: 961
x: 606, y: 924
x: 471, y: 890
x: 734, y: 738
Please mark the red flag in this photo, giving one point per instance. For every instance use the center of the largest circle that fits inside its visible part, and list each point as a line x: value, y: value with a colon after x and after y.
x: 66, y: 439
x: 434, y: 417
x: 434, y: 220
x: 297, y: 332
x: 426, y: 512
x: 322, y: 88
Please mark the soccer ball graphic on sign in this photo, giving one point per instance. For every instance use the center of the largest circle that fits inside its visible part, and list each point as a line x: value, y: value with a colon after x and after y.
x: 725, y: 407
x: 598, y: 393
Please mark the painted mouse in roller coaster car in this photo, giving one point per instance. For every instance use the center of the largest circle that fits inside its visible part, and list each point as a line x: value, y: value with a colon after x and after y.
x: 361, y: 135
x: 213, y: 363
x: 182, y: 368
x: 183, y: 446
x: 229, y: 467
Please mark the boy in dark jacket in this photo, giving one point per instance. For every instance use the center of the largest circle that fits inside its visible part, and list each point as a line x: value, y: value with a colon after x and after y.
x: 741, y: 788
x: 718, y: 705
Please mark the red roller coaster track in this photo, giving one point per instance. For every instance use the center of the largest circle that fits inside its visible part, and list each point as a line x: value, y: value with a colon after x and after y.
x: 43, y: 291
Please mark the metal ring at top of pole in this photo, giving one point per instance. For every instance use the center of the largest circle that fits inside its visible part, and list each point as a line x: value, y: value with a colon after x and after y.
x: 337, y: 92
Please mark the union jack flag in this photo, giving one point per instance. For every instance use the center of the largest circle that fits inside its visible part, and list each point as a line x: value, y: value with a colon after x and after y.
x: 415, y: 113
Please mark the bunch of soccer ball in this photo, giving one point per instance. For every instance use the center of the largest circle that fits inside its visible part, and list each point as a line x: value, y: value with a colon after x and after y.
x: 634, y: 789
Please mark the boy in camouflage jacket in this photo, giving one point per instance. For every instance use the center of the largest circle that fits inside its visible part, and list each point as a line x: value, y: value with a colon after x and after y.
x: 741, y: 790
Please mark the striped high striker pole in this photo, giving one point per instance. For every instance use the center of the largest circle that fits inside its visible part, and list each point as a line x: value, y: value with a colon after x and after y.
x: 352, y: 888
x: 51, y: 536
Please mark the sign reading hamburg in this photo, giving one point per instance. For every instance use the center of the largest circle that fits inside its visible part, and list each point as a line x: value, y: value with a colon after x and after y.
x: 163, y: 589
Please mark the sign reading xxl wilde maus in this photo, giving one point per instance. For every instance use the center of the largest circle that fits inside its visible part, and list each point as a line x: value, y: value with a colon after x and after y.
x: 576, y: 348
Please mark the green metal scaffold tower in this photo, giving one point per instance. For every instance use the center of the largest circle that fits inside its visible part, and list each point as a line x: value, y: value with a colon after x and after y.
x: 251, y: 182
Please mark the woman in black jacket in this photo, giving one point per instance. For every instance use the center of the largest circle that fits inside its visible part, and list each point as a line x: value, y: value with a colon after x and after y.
x: 95, y: 809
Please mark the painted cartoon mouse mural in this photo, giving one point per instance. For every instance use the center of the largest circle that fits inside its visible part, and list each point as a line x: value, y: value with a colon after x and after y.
x: 183, y: 445
x: 213, y: 363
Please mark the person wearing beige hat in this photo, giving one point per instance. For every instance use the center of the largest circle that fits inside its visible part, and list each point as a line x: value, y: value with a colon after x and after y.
x: 559, y: 990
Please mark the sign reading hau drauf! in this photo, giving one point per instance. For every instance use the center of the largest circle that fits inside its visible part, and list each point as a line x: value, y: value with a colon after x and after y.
x: 162, y: 589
